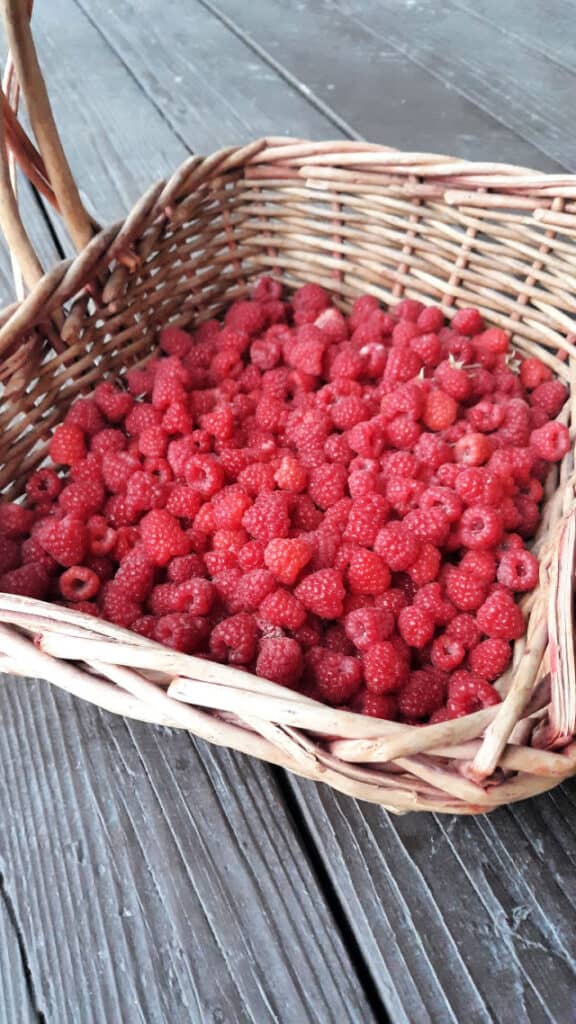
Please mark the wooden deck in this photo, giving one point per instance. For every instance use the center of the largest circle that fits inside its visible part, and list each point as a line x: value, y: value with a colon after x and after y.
x: 145, y: 876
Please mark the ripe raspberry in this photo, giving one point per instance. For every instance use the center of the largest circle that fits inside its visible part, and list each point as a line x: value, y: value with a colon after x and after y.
x: 180, y: 631
x: 85, y: 414
x: 366, y: 517
x: 431, y: 526
x: 490, y: 658
x: 282, y: 609
x: 229, y: 507
x: 481, y: 527
x: 377, y: 705
x: 465, y: 591
x: 15, y: 520
x: 335, y: 677
x: 453, y: 379
x: 291, y: 475
x: 78, y: 583
x: 533, y: 372
x: 195, y: 596
x: 268, y: 517
x: 479, y: 564
x: 169, y: 380
x: 431, y: 597
x: 256, y: 478
x: 477, y: 485
x: 518, y: 570
x: 252, y: 589
x: 441, y: 499
x: 403, y: 364
x: 43, y: 487
x: 141, y: 417
x: 286, y: 558
x: 107, y: 440
x: 447, y: 653
x: 251, y: 556
x: 428, y: 348
x: 551, y: 442
x: 322, y: 593
x: 175, y: 342
x: 153, y: 442
x: 234, y: 639
x: 464, y: 628
x: 84, y: 498
x: 426, y: 567
x: 362, y: 310
x: 204, y: 474
x: 327, y: 485
x: 423, y: 694
x: 473, y: 449
x: 112, y: 402
x: 486, y: 416
x: 366, y: 627
x: 403, y: 432
x: 31, y: 551
x: 493, y: 341
x: 432, y: 451
x: 467, y: 321
x: 117, y: 605
x: 308, y: 302
x: 416, y: 626
x: 183, y: 502
x: 280, y: 659
x: 30, y: 580
x: 64, y: 539
x: 440, y: 411
x: 469, y: 692
x: 10, y: 554
x: 67, y: 445
x: 397, y: 546
x: 367, y: 573
x: 163, y: 537
x: 549, y: 396
x: 117, y: 468
x: 500, y: 617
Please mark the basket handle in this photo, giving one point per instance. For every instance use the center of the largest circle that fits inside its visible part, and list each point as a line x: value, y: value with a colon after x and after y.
x: 46, y: 167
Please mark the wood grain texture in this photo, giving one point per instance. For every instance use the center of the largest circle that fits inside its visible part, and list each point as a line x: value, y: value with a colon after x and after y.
x: 368, y: 82
x: 155, y: 879
x: 16, y: 998
x: 459, y: 919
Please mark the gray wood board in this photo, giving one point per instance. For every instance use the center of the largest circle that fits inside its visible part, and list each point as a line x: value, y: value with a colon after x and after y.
x: 16, y: 994
x: 154, y: 879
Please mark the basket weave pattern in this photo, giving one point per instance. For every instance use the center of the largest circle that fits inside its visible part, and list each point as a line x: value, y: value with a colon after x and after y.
x: 356, y: 218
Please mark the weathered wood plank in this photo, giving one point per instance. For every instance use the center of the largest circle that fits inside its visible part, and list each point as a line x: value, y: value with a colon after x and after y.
x: 15, y: 994
x: 155, y: 879
x: 368, y: 78
x: 459, y: 919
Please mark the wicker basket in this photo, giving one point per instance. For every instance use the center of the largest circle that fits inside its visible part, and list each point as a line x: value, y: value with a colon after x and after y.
x: 356, y: 218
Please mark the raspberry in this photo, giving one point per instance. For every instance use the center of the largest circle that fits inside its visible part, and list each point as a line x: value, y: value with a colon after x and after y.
x: 490, y: 658
x: 194, y: 596
x: 362, y: 310
x: 533, y: 372
x: 479, y: 564
x: 268, y: 517
x: 234, y: 639
x: 366, y: 517
x: 367, y: 573
x: 245, y: 316
x: 181, y: 632
x: 117, y: 467
x: 163, y: 537
x: 500, y: 618
x: 402, y: 365
x: 43, y: 487
x: 85, y: 414
x: 229, y: 507
x: 183, y: 502
x: 465, y: 591
x: 467, y: 321
x: 252, y: 589
x: 431, y: 526
x: 219, y: 423
x: 447, y: 653
x: 291, y: 475
x: 430, y: 597
x: 308, y: 302
x: 403, y: 432
x: 79, y: 583
x: 176, y: 420
x: 168, y: 384
x: 175, y: 342
x: 428, y: 348
x: 153, y: 442
x: 430, y: 319
x: 440, y: 411
x: 549, y: 396
x: 473, y: 449
x: 518, y: 570
x: 140, y: 418
x: 107, y: 440
x: 377, y: 705
x: 280, y: 660
x: 117, y: 605
x: 481, y: 527
x: 251, y: 556
x: 112, y: 402
x: 256, y: 478
x: 366, y: 627
x: 422, y: 695
x: 322, y: 593
x: 266, y: 351
x: 493, y: 341
x: 332, y: 323
x: 442, y: 499
x: 469, y: 692
x: 286, y: 558
x: 407, y: 399
x: 282, y: 609
x: 136, y: 574
x: 432, y: 451
x: 453, y: 380
x: 416, y: 626
x: 464, y: 628
x: 551, y: 442
x: 397, y: 546
x: 84, y: 498
x: 30, y: 580
x: 67, y: 445
x: 335, y: 677
x: 203, y: 474
x: 408, y: 309
x: 15, y: 520
x: 327, y: 485
x: 486, y: 416
x: 427, y: 565
x: 10, y: 554
x: 479, y: 486
x: 64, y: 539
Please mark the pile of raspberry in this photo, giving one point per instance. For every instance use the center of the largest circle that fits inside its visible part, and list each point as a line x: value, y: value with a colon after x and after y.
x: 339, y: 504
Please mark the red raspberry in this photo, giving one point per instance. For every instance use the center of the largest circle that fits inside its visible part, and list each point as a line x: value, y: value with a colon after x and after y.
x: 481, y: 527
x: 286, y: 558
x: 194, y: 596
x: 229, y: 507
x: 31, y: 551
x: 444, y: 500
x: 422, y: 695
x: 464, y: 628
x: 291, y: 475
x: 204, y: 474
x: 84, y: 498
x: 486, y: 416
x: 322, y: 593
x: 136, y: 574
x: 473, y: 449
x: 377, y: 705
x: 153, y: 442
x: 366, y: 627
x: 15, y: 520
x: 308, y: 302
x: 67, y: 445
x: 551, y: 442
x: 117, y: 605
x: 397, y: 546
x: 428, y: 348
x: 367, y: 573
x: 332, y: 323
x: 168, y: 384
x: 117, y: 468
x: 362, y: 310
x: 430, y: 596
x: 65, y: 539
x: 79, y: 583
x: 181, y: 631
x: 467, y: 321
x: 219, y: 423
x: 141, y: 380
x: 107, y: 440
x: 10, y: 554
x: 280, y: 659
x: 265, y: 352
x: 281, y: 608
x: 335, y: 677
x: 490, y: 658
x: 304, y: 514
x: 518, y: 570
x: 403, y: 432
x: 234, y: 639
x: 175, y: 342
x: 184, y: 568
x: 432, y: 451
x: 43, y: 487
x: 162, y: 536
x: 446, y: 475
x: 176, y: 419
x: 533, y: 372
x: 430, y: 319
x: 453, y: 380
x: 447, y: 653
x: 112, y: 402
x: 440, y: 411
x: 479, y: 564
x: 251, y: 556
x: 469, y: 692
x: 479, y: 486
x: 549, y: 396
x: 217, y: 562
x: 407, y: 399
x: 416, y: 626
x: 465, y: 591
x: 403, y: 364
x: 268, y: 518
x: 431, y: 526
x: 500, y: 617
x: 257, y: 478
x: 368, y: 439
x: 183, y: 501
x: 85, y: 414
x: 528, y: 516
x: 515, y: 429
x: 30, y: 580
x: 366, y: 517
x: 408, y: 309
x: 426, y: 567
x: 327, y: 485
x: 252, y: 589
x: 493, y: 341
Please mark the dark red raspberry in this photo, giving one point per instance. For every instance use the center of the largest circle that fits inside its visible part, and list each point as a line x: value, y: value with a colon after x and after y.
x: 518, y: 570
x: 322, y: 593
x: 397, y: 546
x: 282, y: 609
x: 184, y: 568
x: 551, y: 442
x: 79, y: 583
x: 15, y: 520
x: 500, y: 617
x: 117, y: 605
x: 43, y: 487
x: 431, y: 597
x: 422, y: 695
x: 234, y: 639
x: 335, y: 677
x: 469, y: 692
x: 416, y: 626
x: 67, y: 445
x: 490, y: 658
x: 479, y: 564
x: 30, y: 580
x: 280, y: 659
x: 377, y: 705
x: 427, y: 565
x: 182, y: 632
x: 64, y: 539
x: 175, y: 342
x: 10, y: 555
x: 84, y: 498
